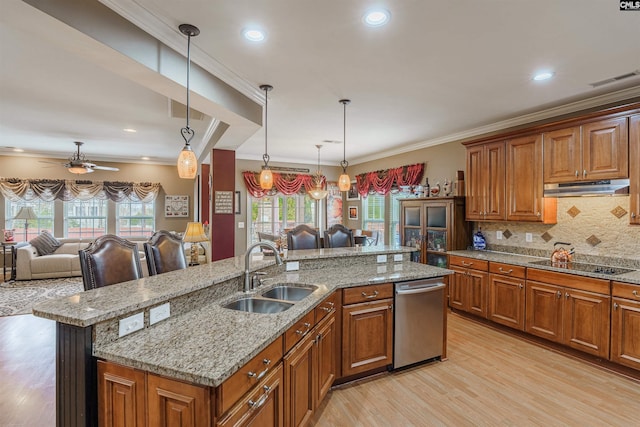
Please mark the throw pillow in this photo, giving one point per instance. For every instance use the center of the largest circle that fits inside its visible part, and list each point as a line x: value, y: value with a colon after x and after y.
x: 45, y: 243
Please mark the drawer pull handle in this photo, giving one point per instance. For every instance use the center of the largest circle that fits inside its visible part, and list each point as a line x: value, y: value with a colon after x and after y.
x: 259, y: 376
x: 506, y: 272
x: 467, y: 264
x: 263, y: 398
x: 373, y: 295
x: 303, y: 333
x: 635, y: 294
x: 327, y: 309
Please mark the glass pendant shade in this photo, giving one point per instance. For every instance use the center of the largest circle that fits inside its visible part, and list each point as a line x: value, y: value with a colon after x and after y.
x: 318, y: 193
x: 187, y: 163
x: 79, y: 170
x: 344, y: 182
x: 266, y: 179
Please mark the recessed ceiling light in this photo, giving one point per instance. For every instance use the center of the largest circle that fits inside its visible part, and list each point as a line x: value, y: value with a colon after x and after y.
x: 254, y: 35
x: 145, y: 158
x: 376, y: 17
x: 18, y: 150
x: 130, y: 130
x: 543, y: 75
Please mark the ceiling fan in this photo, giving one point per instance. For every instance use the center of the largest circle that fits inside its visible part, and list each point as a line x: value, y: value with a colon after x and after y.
x: 79, y: 164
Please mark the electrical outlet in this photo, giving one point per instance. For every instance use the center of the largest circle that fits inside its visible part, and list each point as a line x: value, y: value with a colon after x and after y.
x: 241, y: 225
x: 499, y: 235
x: 397, y: 257
x: 382, y: 269
x: 528, y: 237
x: 131, y: 324
x: 382, y: 258
x: 159, y: 313
x: 292, y: 266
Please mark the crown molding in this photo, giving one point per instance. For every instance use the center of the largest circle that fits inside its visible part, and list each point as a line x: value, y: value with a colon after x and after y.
x: 561, y: 110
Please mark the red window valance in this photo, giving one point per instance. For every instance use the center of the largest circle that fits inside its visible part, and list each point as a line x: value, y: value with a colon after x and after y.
x: 285, y: 183
x: 383, y: 181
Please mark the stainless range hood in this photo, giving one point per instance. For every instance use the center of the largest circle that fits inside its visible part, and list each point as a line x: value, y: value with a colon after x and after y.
x: 607, y: 187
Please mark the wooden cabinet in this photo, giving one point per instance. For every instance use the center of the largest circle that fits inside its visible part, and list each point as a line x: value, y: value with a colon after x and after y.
x: 576, y: 315
x: 507, y: 295
x: 367, y: 328
x: 485, y: 195
x: 634, y: 170
x: 468, y: 287
x: 437, y: 225
x: 593, y: 151
x: 625, y: 324
x: 263, y: 406
x: 525, y: 201
x: 129, y: 397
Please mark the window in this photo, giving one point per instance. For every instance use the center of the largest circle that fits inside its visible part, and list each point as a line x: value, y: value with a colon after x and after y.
x: 275, y: 214
x: 135, y: 219
x: 394, y: 218
x: 44, y: 212
x: 373, y: 215
x: 85, y: 219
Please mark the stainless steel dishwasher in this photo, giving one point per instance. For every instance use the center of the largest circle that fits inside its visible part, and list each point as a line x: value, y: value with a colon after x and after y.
x: 418, y: 321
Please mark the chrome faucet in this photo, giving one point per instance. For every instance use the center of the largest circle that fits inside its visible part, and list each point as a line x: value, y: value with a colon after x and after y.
x: 247, y: 259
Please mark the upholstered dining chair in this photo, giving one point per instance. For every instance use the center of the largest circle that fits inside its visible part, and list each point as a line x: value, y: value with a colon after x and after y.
x: 109, y: 260
x: 303, y: 237
x: 164, y: 252
x: 338, y: 236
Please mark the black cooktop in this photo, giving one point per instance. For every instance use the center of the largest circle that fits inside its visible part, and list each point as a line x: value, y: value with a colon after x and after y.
x: 581, y: 266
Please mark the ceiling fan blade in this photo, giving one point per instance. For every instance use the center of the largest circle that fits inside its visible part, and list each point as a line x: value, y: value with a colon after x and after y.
x: 104, y: 168
x: 51, y: 162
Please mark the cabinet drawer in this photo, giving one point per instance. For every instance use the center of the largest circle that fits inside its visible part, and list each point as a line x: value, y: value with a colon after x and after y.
x: 299, y: 330
x: 327, y: 306
x: 589, y: 284
x: 248, y: 376
x: 626, y: 290
x: 507, y: 269
x: 475, y: 264
x: 367, y: 293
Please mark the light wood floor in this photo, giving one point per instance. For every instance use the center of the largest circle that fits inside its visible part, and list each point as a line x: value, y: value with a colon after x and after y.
x: 490, y: 379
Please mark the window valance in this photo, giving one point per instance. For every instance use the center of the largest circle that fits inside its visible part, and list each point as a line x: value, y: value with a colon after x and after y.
x: 16, y: 189
x: 285, y: 183
x: 383, y: 181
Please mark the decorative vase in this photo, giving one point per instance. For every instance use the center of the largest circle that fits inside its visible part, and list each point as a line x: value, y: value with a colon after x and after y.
x: 8, y: 235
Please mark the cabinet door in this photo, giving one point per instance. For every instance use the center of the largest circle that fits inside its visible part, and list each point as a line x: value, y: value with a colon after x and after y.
x: 605, y: 149
x: 525, y: 200
x: 477, y: 289
x: 625, y: 332
x: 262, y: 407
x: 367, y: 334
x: 299, y: 382
x: 562, y: 155
x: 494, y: 181
x: 506, y: 301
x: 326, y: 357
x: 475, y: 183
x: 634, y: 170
x: 177, y: 404
x: 544, y: 311
x: 121, y: 396
x: 586, y: 322
x: 457, y: 289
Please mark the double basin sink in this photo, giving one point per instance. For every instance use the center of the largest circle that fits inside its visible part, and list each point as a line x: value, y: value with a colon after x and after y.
x: 275, y: 300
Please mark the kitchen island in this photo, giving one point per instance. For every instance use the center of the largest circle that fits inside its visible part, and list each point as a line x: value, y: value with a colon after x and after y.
x: 201, y: 342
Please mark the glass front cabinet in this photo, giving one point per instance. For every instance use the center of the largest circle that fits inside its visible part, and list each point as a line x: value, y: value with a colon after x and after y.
x: 434, y: 225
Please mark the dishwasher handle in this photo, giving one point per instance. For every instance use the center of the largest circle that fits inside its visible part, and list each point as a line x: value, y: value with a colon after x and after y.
x: 421, y: 290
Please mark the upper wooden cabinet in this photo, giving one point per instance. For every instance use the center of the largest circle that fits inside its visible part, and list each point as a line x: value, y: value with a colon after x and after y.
x: 593, y: 151
x: 634, y: 169
x: 486, y: 182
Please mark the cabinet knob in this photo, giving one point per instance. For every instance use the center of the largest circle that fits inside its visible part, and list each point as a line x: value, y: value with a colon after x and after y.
x: 615, y: 305
x: 577, y: 174
x: 559, y: 294
x: 538, y: 214
x: 584, y: 173
x: 520, y: 285
x: 635, y: 294
x: 566, y: 295
x: 633, y: 214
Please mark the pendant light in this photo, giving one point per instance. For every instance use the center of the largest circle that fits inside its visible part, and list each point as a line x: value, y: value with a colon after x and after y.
x: 266, y: 177
x: 344, y: 182
x: 187, y: 161
x: 318, y: 192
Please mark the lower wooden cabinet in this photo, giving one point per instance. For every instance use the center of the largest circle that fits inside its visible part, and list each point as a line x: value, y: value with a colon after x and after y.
x: 129, y: 397
x: 625, y: 324
x: 468, y: 291
x: 507, y: 300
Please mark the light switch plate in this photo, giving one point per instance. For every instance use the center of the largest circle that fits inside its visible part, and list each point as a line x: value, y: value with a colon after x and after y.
x: 292, y: 266
x: 131, y: 324
x: 382, y: 258
x: 241, y: 225
x: 528, y: 237
x: 397, y: 257
x: 499, y: 234
x: 159, y: 313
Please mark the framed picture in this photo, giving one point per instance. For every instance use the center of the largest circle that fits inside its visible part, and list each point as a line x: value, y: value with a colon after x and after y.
x: 352, y: 194
x: 353, y: 212
x: 176, y: 206
x: 334, y: 204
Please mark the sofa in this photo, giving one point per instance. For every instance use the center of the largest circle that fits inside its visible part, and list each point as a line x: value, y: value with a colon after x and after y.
x: 64, y: 262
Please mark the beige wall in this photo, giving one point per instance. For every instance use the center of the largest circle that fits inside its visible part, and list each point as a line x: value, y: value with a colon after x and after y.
x: 167, y: 176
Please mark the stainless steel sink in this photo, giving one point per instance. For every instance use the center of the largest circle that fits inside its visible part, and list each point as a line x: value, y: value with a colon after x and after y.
x: 289, y: 292
x: 257, y: 305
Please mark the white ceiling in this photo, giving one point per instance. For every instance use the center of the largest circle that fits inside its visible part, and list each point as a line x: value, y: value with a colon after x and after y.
x: 438, y: 71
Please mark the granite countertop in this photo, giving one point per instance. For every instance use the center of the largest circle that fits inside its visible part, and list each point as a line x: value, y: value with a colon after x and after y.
x: 526, y: 261
x: 209, y: 344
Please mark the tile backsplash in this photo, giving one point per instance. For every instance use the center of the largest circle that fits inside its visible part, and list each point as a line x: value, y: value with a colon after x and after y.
x: 597, y: 227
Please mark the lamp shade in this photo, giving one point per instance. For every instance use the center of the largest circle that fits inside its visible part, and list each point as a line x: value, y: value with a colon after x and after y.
x: 187, y: 163
x: 318, y: 193
x: 79, y: 170
x: 266, y: 179
x: 194, y: 233
x: 344, y: 182
x: 26, y: 213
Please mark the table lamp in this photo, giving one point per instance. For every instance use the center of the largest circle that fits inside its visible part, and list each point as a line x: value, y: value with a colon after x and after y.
x: 194, y: 234
x: 26, y: 213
